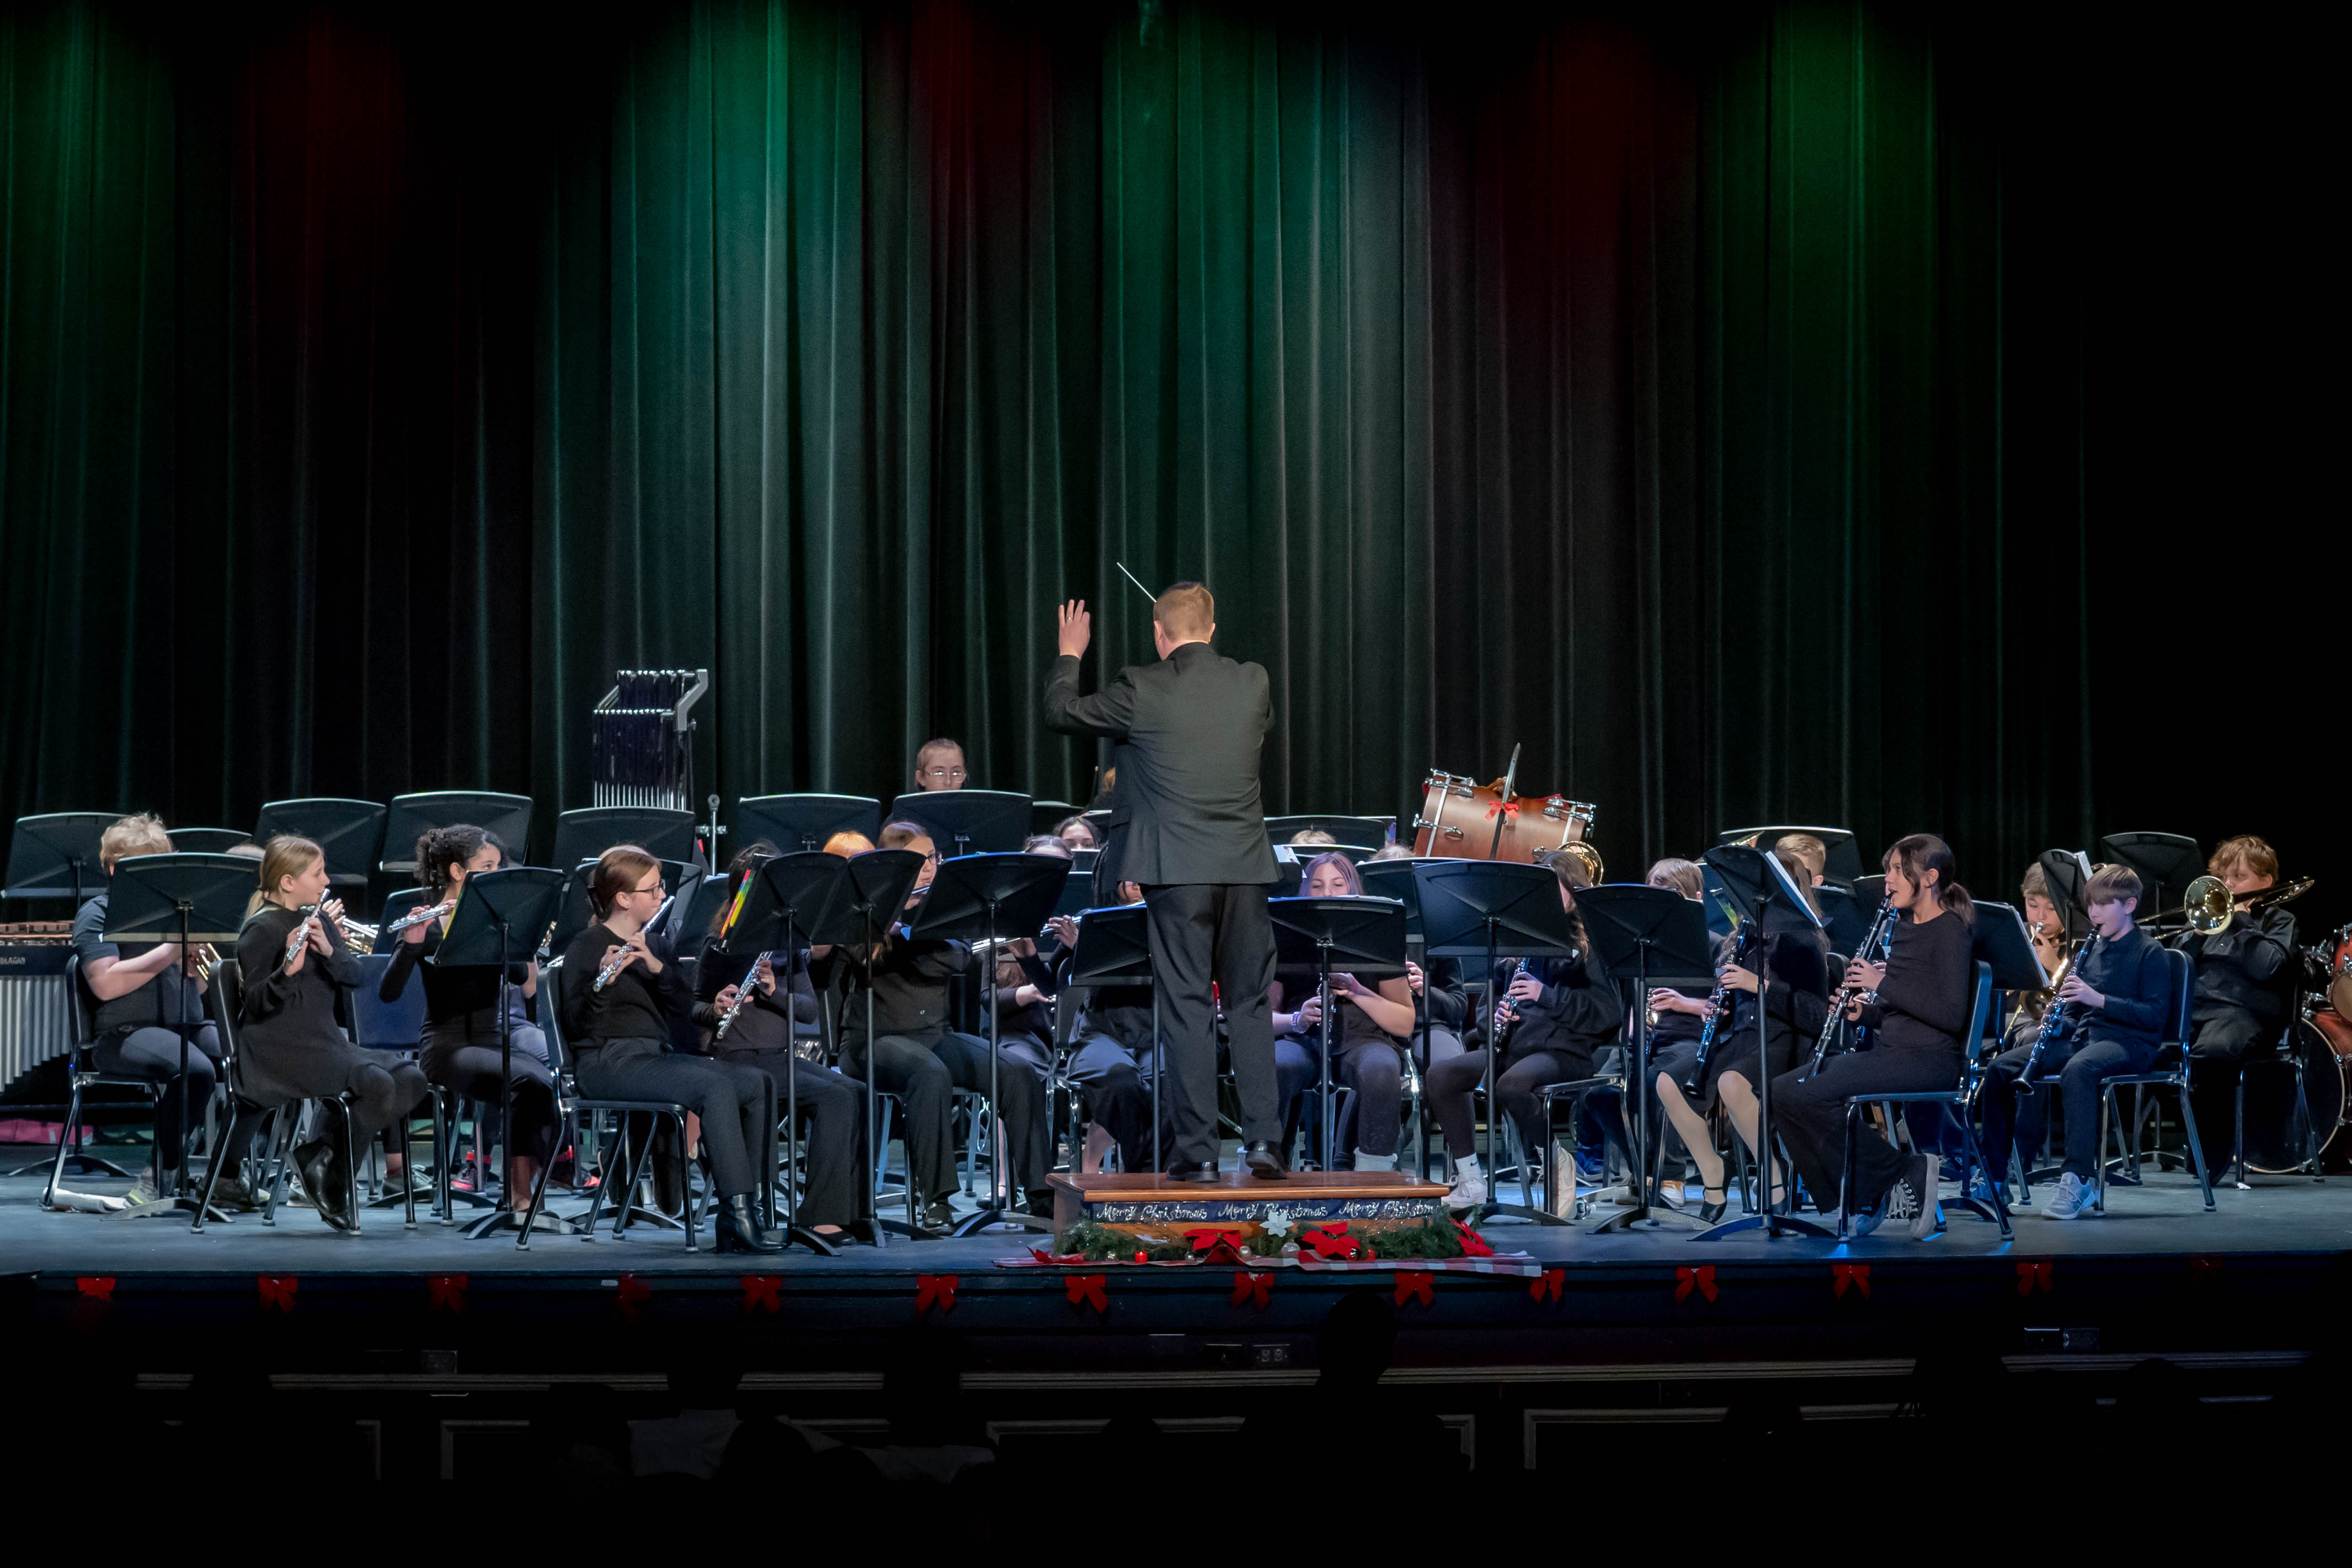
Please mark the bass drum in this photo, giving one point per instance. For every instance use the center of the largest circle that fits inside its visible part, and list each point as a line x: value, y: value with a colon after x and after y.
x: 1457, y: 821
x: 2339, y: 974
x: 2276, y: 1123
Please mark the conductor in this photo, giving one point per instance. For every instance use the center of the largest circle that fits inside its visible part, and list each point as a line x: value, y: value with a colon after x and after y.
x: 1186, y: 824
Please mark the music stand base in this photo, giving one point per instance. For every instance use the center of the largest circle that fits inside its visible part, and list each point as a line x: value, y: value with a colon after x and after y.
x: 1515, y: 1211
x: 988, y: 1217
x: 165, y: 1207
x: 498, y: 1220
x: 1644, y: 1214
x: 76, y: 1165
x: 1771, y: 1225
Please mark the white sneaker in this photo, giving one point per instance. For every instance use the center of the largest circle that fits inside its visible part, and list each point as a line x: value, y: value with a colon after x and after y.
x: 144, y: 1190
x: 1469, y: 1191
x: 2072, y: 1200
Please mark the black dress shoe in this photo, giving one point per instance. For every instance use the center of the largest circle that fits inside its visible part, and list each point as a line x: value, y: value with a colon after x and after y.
x: 1263, y: 1161
x: 938, y: 1221
x: 325, y: 1180
x: 741, y: 1230
x: 1194, y: 1170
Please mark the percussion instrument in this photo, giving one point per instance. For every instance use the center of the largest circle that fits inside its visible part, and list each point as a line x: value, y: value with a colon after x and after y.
x: 2275, y: 1122
x: 1458, y: 816
x: 2339, y: 974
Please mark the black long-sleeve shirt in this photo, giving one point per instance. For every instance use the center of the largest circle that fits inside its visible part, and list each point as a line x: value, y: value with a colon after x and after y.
x: 910, y: 984
x: 1796, y: 1003
x: 766, y: 1021
x: 450, y: 993
x: 2132, y: 972
x: 2247, y: 965
x: 1574, y: 1018
x: 1923, y: 1003
x: 282, y: 1018
x: 1445, y: 1001
x: 636, y: 1005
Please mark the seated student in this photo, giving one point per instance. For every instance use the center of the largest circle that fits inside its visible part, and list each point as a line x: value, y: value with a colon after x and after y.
x: 141, y: 991
x: 461, y: 1009
x: 1313, y: 838
x: 1112, y: 1058
x: 2047, y: 927
x: 1795, y: 1004
x: 1923, y: 991
x: 290, y: 1046
x: 848, y: 844
x: 1021, y: 984
x: 1811, y: 853
x: 1556, y: 1021
x: 1077, y: 833
x: 760, y: 1034
x: 939, y: 765
x: 916, y: 1057
x: 1676, y: 1020
x: 1438, y: 993
x: 1369, y: 1049
x: 2114, y: 1001
x: 2245, y: 992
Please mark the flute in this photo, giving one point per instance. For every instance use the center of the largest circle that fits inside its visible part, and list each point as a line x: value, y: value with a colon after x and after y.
x: 743, y: 995
x: 302, y: 933
x: 615, y: 964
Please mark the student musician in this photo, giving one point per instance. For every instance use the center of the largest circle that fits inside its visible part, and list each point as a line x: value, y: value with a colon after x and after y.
x: 1112, y: 1058
x: 1553, y: 1020
x: 619, y: 1038
x: 2244, y: 993
x: 1021, y: 984
x: 461, y: 1007
x: 762, y: 1034
x: 939, y: 765
x: 1077, y: 833
x: 1368, y: 1049
x: 1438, y: 993
x: 1916, y: 1003
x: 1810, y: 854
x: 140, y: 992
x: 1676, y: 1022
x: 2047, y: 927
x: 1796, y: 1004
x: 289, y: 1044
x: 916, y: 1056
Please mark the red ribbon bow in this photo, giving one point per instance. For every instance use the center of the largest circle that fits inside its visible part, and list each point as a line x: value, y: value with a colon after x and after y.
x: 1701, y: 1279
x: 1855, y: 1274
x: 1547, y: 1283
x: 2200, y: 1269
x: 1216, y: 1245
x: 1042, y: 1256
x: 1412, y: 1282
x: 97, y: 1287
x: 935, y: 1290
x: 446, y: 1292
x: 277, y: 1291
x: 762, y: 1291
x: 1509, y: 808
x: 1472, y: 1244
x: 2033, y: 1274
x: 1255, y: 1288
x: 1087, y: 1290
x: 633, y: 1294
x: 1326, y: 1241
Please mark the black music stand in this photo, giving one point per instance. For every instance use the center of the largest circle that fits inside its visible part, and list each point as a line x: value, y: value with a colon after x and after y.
x: 1842, y: 917
x: 1114, y: 949
x: 1841, y: 858
x: 2003, y: 941
x: 1044, y: 815
x: 587, y: 832
x: 804, y: 821
x: 792, y: 900
x: 875, y: 895
x: 182, y: 899
x: 1078, y: 892
x: 1353, y: 832
x: 350, y: 833
x: 2068, y: 873
x: 1363, y: 936
x: 1642, y: 932
x: 2165, y: 862
x: 1493, y: 909
x: 1770, y: 904
x: 208, y: 840
x: 979, y: 898
x: 55, y: 857
x: 1393, y: 880
x: 508, y: 815
x: 967, y: 821
x: 497, y: 919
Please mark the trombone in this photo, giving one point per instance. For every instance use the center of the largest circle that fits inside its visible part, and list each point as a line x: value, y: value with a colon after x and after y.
x: 2208, y: 910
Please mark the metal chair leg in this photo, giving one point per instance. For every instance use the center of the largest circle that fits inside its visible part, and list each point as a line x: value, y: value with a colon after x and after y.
x: 2196, y: 1145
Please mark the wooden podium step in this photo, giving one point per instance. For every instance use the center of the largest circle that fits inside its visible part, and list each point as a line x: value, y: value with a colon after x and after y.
x: 1369, y: 1201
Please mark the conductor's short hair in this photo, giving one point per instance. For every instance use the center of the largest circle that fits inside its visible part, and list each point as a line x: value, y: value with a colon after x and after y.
x: 1186, y: 610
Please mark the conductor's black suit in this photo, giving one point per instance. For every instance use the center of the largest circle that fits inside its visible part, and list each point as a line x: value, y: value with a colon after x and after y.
x: 1187, y: 824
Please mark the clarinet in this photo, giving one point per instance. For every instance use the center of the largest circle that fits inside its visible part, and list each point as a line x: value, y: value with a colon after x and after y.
x: 742, y: 995
x: 302, y: 933
x: 1880, y: 937
x: 1504, y: 1027
x: 2055, y: 1018
x: 1707, y: 1035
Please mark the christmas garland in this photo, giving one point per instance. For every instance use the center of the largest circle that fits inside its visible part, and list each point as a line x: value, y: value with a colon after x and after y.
x: 1433, y: 1238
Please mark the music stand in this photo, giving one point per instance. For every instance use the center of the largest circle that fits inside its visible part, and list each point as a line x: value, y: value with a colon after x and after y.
x: 789, y: 902
x: 56, y: 856
x: 1393, y: 880
x: 1493, y: 909
x: 587, y: 832
x: 1771, y: 903
x: 350, y: 833
x: 804, y: 821
x: 967, y: 821
x: 1643, y: 930
x: 497, y: 922
x: 1842, y: 917
x: 182, y: 899
x: 1114, y: 948
x: 1077, y: 893
x: 1841, y: 857
x: 1044, y: 815
x: 1364, y: 936
x: 410, y: 816
x: 978, y: 898
x: 2167, y: 862
x: 874, y: 892
x: 2068, y: 873
x: 209, y: 841
x: 1353, y: 832
x: 2003, y: 941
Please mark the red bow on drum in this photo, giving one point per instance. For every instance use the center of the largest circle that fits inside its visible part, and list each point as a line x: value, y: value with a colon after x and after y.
x: 2033, y: 1276
x: 763, y: 1290
x: 1546, y: 1284
x: 1855, y: 1274
x: 277, y: 1291
x: 1509, y: 808
x: 1413, y: 1282
x: 1087, y: 1290
x: 935, y: 1290
x: 1256, y: 1288
x: 446, y: 1292
x: 1701, y: 1279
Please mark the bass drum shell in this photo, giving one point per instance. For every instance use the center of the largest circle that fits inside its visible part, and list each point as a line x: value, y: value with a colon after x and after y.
x: 2339, y: 975
x: 2274, y: 1121
x: 1457, y: 821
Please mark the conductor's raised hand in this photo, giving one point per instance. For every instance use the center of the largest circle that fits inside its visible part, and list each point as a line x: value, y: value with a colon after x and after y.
x: 1077, y: 628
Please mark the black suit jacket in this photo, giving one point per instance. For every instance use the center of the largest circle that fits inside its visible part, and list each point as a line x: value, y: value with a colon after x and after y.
x: 1191, y: 730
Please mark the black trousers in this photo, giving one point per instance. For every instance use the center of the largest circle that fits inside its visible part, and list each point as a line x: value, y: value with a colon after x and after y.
x: 2219, y: 1040
x: 1808, y: 1118
x: 924, y: 1073
x: 1117, y: 1082
x: 737, y: 1103
x: 1451, y: 1083
x: 833, y: 1119
x: 1372, y: 1068
x: 462, y: 1054
x: 154, y: 1052
x: 1205, y: 933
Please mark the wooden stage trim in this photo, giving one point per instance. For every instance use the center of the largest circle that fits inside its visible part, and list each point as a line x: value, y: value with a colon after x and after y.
x: 1369, y: 1201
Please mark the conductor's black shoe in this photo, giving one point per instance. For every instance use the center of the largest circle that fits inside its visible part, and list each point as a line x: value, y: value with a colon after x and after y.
x: 1264, y: 1161
x: 1194, y: 1170
x: 740, y: 1229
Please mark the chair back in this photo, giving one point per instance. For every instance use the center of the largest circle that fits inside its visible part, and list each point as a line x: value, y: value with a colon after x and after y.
x: 2173, y: 1041
x: 551, y: 1019
x: 378, y: 1025
x: 228, y: 985
x: 397, y: 905
x: 82, y: 1030
x: 1980, y: 1014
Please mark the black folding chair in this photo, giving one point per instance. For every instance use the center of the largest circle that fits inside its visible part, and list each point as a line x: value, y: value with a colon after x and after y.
x: 2171, y: 1071
x: 1961, y: 1100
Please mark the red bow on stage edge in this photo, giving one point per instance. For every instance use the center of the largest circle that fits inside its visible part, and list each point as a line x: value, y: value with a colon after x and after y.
x: 1547, y: 1283
x: 2033, y: 1274
x: 935, y: 1290
x: 277, y: 1291
x: 1845, y: 1274
x: 762, y: 1291
x: 1328, y: 1241
x: 97, y: 1287
x: 1218, y: 1246
x: 1701, y: 1278
x: 446, y: 1292
x: 632, y: 1295
x: 1087, y: 1290
x: 1472, y: 1244
x: 1257, y: 1288
x: 1412, y: 1282
x: 2200, y: 1269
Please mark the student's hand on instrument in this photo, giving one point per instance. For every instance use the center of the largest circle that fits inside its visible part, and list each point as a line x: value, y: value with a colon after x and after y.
x: 1737, y: 979
x: 1077, y: 628
x: 318, y: 937
x: 765, y: 972
x: 330, y: 908
x: 1525, y: 988
x: 1662, y: 1000
x: 726, y: 997
x: 644, y: 953
x: 1026, y: 995
x: 1346, y: 985
x: 1413, y: 977
x: 1310, y: 1012
x: 1865, y: 976
x: 2073, y: 990
x: 1854, y: 1008
x: 617, y: 950
x: 1065, y: 930
x: 414, y: 935
x: 294, y: 965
